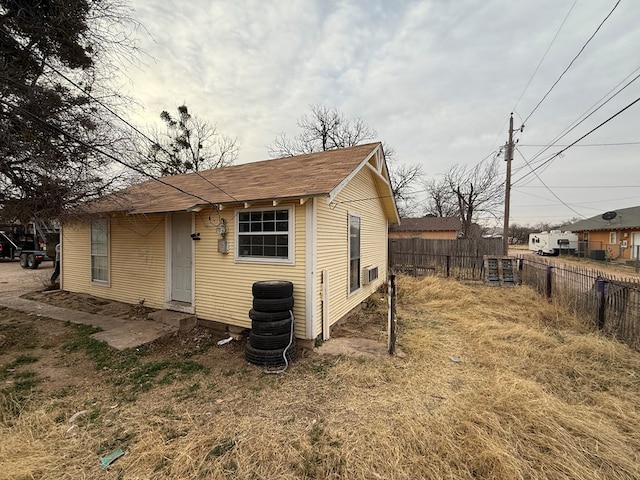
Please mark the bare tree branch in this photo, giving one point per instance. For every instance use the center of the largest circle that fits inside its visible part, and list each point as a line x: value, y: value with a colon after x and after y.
x: 188, y: 144
x: 328, y: 129
x: 477, y: 190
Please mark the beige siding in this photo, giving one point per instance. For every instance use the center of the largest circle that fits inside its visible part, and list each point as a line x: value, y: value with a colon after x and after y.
x: 223, y: 285
x: 136, y: 259
x: 359, y: 197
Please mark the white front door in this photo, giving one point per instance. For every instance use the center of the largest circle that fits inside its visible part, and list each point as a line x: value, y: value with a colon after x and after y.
x: 181, y: 257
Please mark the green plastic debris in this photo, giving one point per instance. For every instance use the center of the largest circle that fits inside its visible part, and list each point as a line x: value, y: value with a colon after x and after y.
x: 112, y: 457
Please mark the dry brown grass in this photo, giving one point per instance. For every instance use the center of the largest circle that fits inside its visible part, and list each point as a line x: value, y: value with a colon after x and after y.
x: 537, y: 395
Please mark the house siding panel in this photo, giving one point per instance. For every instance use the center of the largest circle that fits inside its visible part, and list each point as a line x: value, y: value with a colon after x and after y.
x: 359, y: 197
x: 136, y: 259
x: 600, y: 240
x: 223, y: 285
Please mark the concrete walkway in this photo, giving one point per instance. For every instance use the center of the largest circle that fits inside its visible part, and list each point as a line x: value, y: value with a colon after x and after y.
x: 118, y: 333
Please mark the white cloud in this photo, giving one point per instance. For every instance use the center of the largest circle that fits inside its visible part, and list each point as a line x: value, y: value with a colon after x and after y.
x: 436, y: 79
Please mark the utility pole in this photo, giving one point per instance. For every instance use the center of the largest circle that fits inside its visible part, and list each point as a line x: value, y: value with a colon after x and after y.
x: 508, y: 156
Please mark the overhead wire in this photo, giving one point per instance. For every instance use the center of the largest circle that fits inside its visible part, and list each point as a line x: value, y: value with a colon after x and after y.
x: 535, y: 71
x: 133, y: 127
x: 588, y: 113
x: 614, y: 144
x: 578, y: 140
x: 549, y: 189
x: 101, y: 151
x: 591, y: 187
x: 571, y: 62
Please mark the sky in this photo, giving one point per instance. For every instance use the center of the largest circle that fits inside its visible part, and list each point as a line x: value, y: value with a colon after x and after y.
x: 437, y: 80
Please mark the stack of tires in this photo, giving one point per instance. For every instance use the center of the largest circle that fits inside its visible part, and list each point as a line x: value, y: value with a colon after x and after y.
x: 271, y: 339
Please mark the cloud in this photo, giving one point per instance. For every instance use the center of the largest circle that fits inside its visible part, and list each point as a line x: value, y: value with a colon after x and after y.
x: 436, y: 79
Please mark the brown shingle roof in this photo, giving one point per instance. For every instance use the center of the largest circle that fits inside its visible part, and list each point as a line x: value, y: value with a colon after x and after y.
x: 315, y: 174
x: 428, y: 224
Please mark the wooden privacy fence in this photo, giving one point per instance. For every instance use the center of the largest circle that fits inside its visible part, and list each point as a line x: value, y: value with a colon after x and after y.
x: 461, y: 259
x: 610, y: 302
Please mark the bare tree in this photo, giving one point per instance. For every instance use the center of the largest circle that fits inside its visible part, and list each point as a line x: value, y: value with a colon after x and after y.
x: 328, y: 129
x: 519, y: 234
x: 55, y: 137
x: 403, y: 178
x: 188, y: 144
x: 469, y: 192
x: 325, y: 129
x: 441, y: 200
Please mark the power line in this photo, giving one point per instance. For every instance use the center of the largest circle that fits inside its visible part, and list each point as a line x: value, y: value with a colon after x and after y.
x: 549, y: 189
x: 575, y: 204
x: 133, y: 127
x: 584, y: 116
x: 582, y: 137
x: 582, y: 186
x: 102, y: 152
x: 583, y: 145
x: 571, y: 63
x: 544, y: 56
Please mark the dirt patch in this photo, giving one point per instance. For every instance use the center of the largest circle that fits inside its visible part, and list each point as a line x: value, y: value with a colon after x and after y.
x: 362, y: 333
x: 368, y: 320
x: 91, y: 304
x: 15, y: 278
x: 32, y: 351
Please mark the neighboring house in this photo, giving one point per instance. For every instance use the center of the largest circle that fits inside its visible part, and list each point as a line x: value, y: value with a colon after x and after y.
x: 317, y: 220
x: 439, y: 228
x: 618, y: 237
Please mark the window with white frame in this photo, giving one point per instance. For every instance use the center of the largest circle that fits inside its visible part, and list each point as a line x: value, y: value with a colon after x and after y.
x: 354, y: 253
x: 100, y: 251
x: 612, y: 238
x: 265, y: 234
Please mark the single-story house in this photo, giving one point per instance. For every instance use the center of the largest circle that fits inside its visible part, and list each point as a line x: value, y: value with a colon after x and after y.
x: 197, y: 242
x: 617, y: 233
x: 439, y: 228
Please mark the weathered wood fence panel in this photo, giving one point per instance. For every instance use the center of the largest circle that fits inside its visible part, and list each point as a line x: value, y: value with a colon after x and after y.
x: 461, y: 259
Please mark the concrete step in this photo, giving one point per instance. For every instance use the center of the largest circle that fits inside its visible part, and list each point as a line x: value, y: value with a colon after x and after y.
x: 183, y: 321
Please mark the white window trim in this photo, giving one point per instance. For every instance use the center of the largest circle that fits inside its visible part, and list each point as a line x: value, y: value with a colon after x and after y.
x: 355, y: 291
x: 101, y: 283
x: 266, y: 260
x: 612, y: 238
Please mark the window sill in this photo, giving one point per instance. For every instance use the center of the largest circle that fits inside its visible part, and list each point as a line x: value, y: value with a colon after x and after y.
x: 264, y: 261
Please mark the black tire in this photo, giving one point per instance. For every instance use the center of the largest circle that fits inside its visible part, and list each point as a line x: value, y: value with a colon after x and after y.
x: 269, y: 358
x: 272, y: 304
x: 23, y: 260
x: 275, y: 327
x: 32, y: 263
x: 269, y: 342
x: 272, y: 289
x: 258, y: 316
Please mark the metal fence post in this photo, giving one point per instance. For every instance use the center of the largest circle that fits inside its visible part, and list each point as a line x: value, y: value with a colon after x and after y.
x: 520, y: 266
x: 392, y: 315
x: 600, y: 288
x: 548, y: 282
